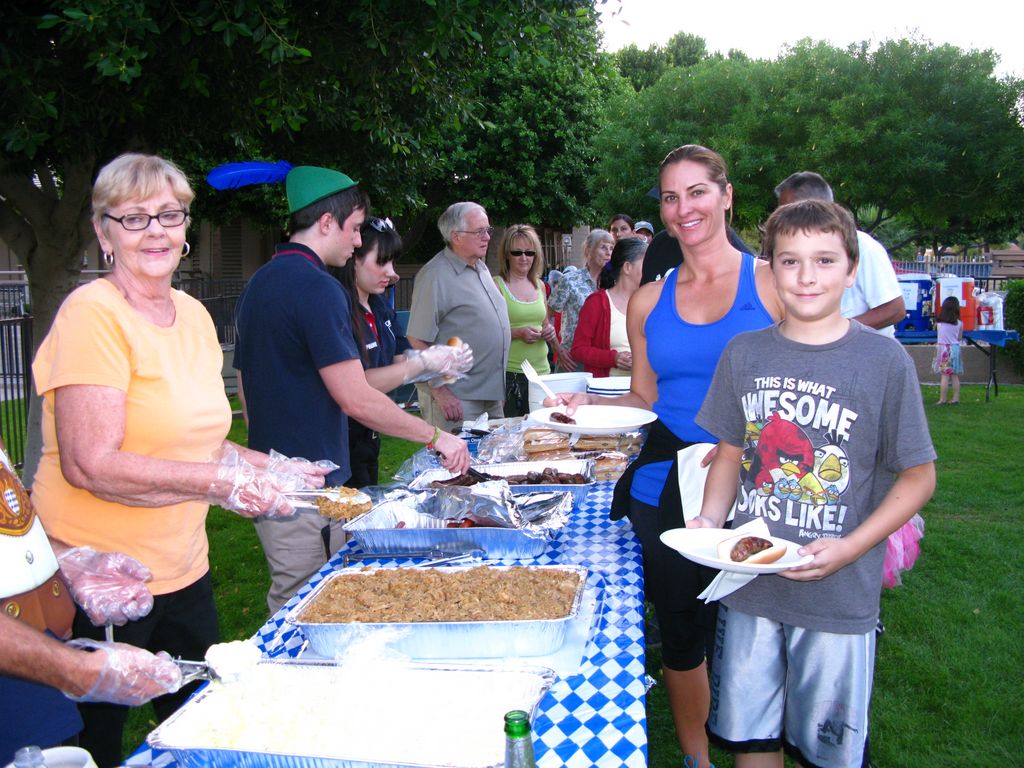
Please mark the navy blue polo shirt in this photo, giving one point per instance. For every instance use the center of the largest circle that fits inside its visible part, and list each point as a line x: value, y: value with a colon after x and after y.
x: 389, y: 341
x: 293, y: 319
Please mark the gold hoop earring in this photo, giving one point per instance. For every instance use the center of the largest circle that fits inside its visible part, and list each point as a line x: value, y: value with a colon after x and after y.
x: 108, y: 259
x: 186, y: 250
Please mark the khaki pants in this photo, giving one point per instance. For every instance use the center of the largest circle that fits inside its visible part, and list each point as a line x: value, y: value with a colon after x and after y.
x: 296, y: 548
x: 432, y: 413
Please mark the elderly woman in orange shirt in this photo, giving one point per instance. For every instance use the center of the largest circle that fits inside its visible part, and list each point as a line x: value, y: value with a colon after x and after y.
x: 134, y: 424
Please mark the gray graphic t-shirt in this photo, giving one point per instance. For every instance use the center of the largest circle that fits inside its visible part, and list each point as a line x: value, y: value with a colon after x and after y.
x: 824, y: 429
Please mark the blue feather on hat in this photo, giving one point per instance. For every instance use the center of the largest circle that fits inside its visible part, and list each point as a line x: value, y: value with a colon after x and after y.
x: 234, y: 175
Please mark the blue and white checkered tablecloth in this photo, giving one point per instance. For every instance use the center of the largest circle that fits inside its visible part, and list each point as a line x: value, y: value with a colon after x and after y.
x: 594, y: 717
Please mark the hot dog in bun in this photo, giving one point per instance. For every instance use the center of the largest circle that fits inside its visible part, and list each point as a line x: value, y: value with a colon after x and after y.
x: 454, y: 341
x: 750, y: 549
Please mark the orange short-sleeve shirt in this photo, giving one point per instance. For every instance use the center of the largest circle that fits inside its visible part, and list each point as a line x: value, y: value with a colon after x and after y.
x: 176, y: 409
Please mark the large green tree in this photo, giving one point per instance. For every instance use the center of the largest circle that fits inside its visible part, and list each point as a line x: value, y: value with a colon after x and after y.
x: 641, y: 66
x: 911, y: 131
x: 365, y: 85
x: 530, y: 159
x: 685, y: 50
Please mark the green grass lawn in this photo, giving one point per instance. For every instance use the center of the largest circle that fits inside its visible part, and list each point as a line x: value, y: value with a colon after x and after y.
x: 949, y: 668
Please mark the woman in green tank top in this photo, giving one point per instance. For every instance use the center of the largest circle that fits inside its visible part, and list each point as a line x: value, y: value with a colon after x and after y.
x: 521, y: 265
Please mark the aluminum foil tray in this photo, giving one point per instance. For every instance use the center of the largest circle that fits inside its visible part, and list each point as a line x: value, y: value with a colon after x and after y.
x: 584, y: 467
x: 445, y: 640
x: 375, y: 531
x: 290, y: 715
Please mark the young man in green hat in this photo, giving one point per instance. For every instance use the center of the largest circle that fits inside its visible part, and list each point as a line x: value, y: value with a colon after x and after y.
x: 299, y: 369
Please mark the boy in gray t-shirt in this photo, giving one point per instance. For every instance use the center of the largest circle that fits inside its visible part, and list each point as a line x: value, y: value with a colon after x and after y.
x: 822, y: 423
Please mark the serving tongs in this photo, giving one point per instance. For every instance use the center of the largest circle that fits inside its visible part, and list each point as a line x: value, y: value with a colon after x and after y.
x: 431, y: 556
x: 305, y: 499
x: 476, y: 474
x: 479, y: 476
x: 312, y: 493
x: 195, y: 670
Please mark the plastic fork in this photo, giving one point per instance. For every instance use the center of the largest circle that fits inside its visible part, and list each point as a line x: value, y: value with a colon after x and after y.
x: 531, y: 374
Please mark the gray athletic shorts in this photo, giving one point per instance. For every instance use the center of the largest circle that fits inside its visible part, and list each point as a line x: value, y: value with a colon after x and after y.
x: 778, y: 686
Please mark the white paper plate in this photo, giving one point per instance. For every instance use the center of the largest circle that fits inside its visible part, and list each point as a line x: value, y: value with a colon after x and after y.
x: 701, y: 546
x: 596, y: 419
x: 609, y: 384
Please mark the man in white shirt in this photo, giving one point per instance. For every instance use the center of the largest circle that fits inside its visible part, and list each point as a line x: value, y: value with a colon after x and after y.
x: 875, y: 298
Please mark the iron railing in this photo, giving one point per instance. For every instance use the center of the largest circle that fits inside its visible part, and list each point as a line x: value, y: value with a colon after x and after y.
x: 15, y: 383
x: 222, y: 310
x: 16, y: 369
x: 981, y: 271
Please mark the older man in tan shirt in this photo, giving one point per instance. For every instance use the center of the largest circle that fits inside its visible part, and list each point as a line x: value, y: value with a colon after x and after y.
x: 455, y: 295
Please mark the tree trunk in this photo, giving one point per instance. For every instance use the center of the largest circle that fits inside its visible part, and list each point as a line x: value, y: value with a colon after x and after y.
x: 48, y: 291
x: 52, y: 226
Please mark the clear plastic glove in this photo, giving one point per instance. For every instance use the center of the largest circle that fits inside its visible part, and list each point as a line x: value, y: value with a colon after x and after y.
x: 440, y: 362
x: 130, y: 675
x: 310, y: 473
x: 252, y: 491
x: 109, y: 586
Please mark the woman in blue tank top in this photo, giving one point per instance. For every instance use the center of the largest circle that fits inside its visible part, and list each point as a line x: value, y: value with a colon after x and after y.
x: 677, y: 330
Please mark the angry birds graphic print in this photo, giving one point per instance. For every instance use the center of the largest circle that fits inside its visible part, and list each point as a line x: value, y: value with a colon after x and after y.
x: 794, y: 467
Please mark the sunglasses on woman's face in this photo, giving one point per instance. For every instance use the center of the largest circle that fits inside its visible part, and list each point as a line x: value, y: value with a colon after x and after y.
x: 531, y: 254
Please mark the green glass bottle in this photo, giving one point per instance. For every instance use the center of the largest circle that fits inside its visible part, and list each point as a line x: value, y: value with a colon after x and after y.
x: 518, y: 740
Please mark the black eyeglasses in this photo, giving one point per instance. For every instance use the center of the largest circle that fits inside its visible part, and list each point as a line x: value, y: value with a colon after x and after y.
x: 481, y: 233
x: 381, y: 225
x: 135, y: 222
x: 531, y: 254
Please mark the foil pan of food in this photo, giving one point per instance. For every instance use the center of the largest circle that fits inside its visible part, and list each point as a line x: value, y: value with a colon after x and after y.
x: 573, y: 475
x: 454, y: 612
x: 402, y: 527
x: 290, y: 715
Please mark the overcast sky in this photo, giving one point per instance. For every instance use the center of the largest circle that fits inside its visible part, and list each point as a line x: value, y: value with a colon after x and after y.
x: 760, y: 28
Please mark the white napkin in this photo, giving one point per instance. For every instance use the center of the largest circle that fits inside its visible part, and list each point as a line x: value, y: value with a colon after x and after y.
x: 727, y: 582
x: 692, y: 476
x: 481, y: 422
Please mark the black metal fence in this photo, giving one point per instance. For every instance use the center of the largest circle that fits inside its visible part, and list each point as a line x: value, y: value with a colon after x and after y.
x: 981, y: 271
x: 16, y: 367
x: 222, y: 310
x: 13, y: 299
x: 15, y: 383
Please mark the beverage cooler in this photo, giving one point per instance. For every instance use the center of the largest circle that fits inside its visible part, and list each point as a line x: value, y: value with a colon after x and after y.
x: 963, y: 289
x: 918, y: 292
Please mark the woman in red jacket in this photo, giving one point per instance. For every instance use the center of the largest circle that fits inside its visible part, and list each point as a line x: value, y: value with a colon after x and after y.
x: 600, y: 342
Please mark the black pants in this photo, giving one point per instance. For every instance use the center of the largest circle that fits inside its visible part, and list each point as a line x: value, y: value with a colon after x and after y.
x: 363, y: 455
x: 517, y: 394
x: 183, y: 623
x: 671, y: 585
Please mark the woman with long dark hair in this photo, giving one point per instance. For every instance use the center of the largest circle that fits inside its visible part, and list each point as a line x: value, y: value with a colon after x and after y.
x: 388, y: 359
x: 621, y: 226
x: 601, y: 343
x: 575, y: 286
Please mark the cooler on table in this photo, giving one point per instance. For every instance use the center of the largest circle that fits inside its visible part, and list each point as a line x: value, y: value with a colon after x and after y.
x: 917, y: 295
x: 963, y: 289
